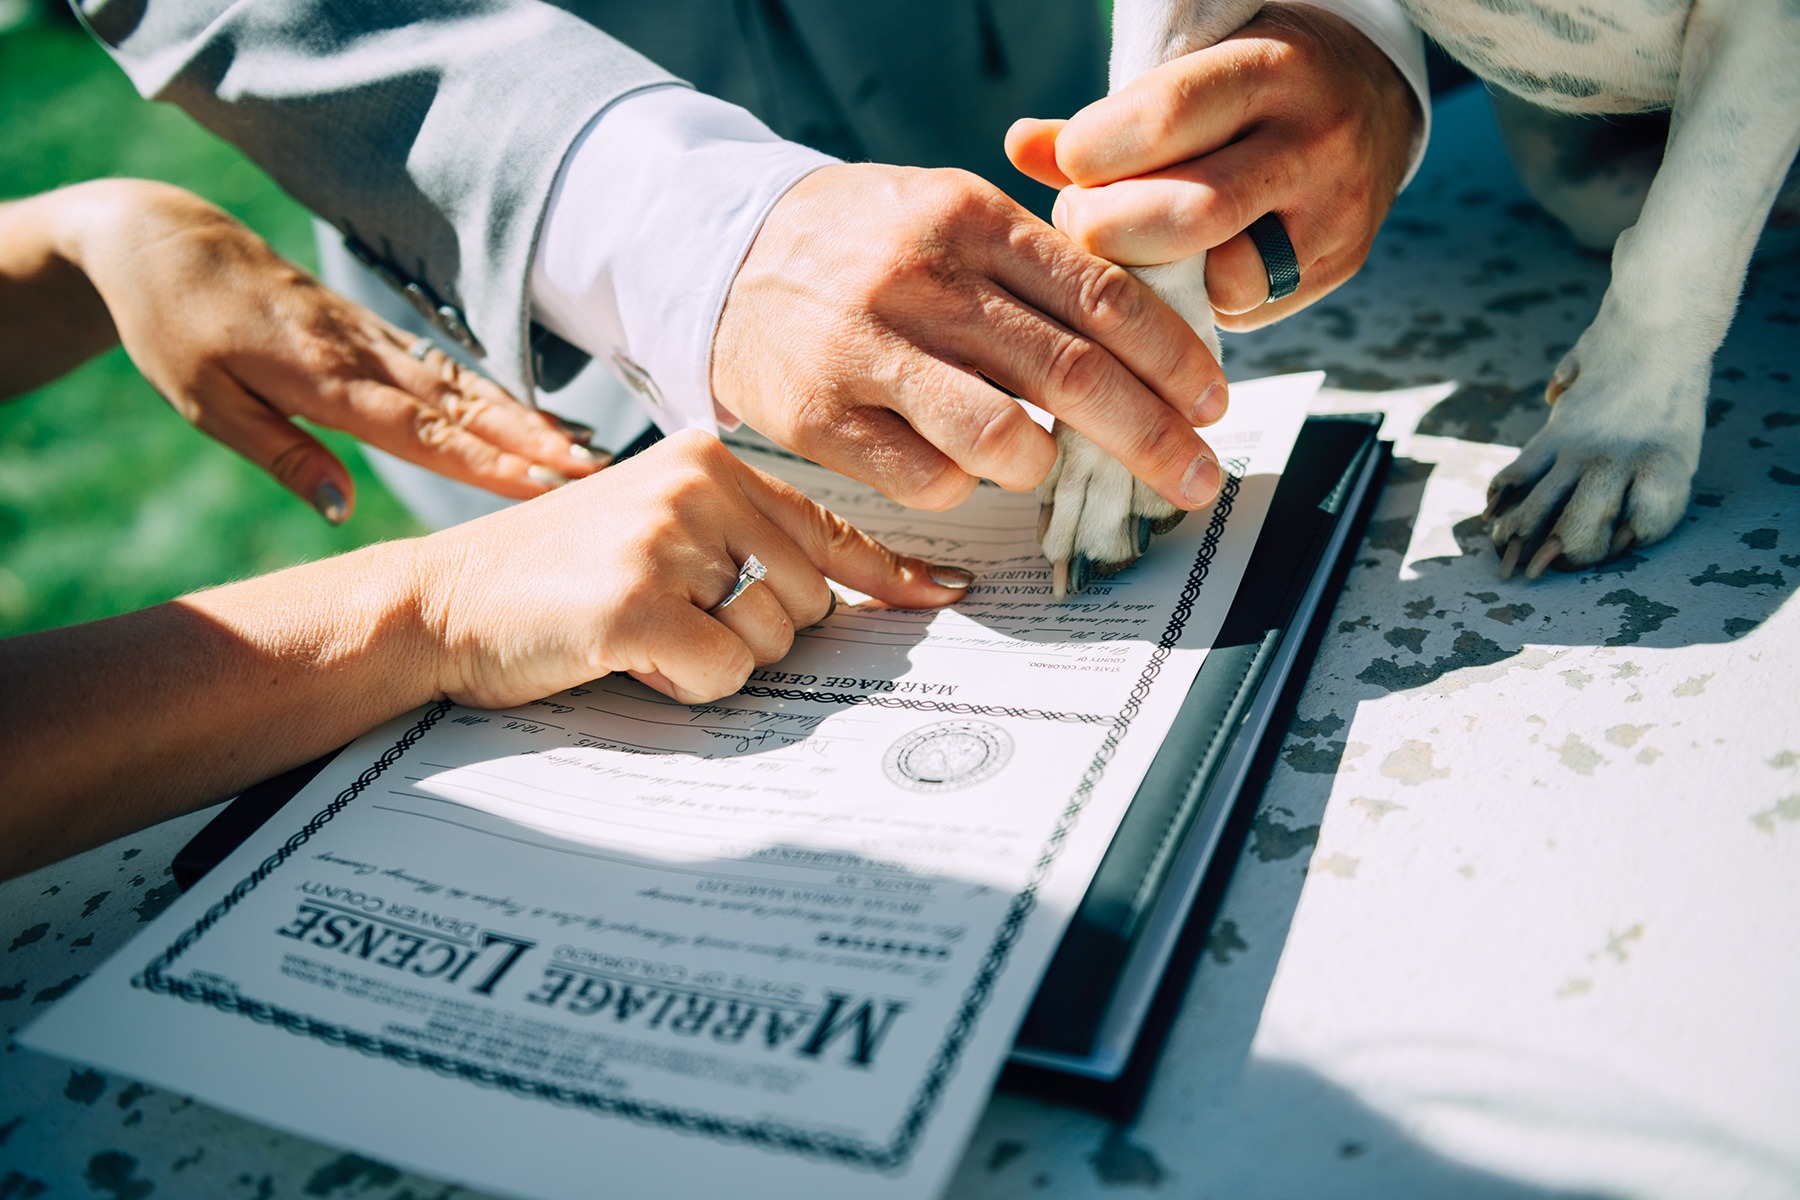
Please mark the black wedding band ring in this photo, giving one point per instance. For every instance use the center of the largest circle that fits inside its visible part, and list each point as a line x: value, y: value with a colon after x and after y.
x: 1277, y: 252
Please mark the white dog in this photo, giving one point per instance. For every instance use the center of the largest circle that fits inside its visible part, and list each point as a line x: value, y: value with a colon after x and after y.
x: 1612, y: 467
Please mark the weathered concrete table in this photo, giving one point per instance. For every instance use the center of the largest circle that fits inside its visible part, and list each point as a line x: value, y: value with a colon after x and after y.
x: 1519, y: 913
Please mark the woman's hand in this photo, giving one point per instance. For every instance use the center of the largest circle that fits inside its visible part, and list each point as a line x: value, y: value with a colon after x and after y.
x: 622, y: 572
x: 240, y: 342
x: 619, y: 572
x: 1297, y: 114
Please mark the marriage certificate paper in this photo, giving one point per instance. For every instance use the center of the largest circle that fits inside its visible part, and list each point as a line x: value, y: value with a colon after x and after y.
x: 774, y: 946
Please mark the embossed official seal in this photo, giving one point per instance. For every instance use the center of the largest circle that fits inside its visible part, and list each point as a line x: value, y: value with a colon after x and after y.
x: 948, y: 755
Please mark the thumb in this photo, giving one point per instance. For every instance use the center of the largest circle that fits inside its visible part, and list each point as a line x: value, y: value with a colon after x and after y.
x: 298, y: 461
x: 845, y: 553
x: 1031, y: 145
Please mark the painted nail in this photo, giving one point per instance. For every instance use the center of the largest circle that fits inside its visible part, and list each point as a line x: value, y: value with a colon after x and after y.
x: 951, y: 577
x: 573, y: 429
x: 1201, y: 483
x: 1210, y: 407
x: 330, y: 503
x: 586, y: 457
x: 545, y: 476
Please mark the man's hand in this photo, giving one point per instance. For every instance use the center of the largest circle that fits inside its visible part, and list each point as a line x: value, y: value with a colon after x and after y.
x: 1297, y: 114
x: 877, y: 303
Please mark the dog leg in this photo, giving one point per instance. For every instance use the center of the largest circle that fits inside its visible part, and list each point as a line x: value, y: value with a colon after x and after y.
x: 1096, y: 518
x: 1592, y: 173
x: 1612, y: 466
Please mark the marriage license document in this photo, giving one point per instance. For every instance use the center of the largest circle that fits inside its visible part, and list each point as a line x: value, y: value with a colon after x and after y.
x: 774, y: 946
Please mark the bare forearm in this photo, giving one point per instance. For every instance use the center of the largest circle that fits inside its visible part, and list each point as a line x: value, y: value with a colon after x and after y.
x: 51, y: 318
x: 113, y: 726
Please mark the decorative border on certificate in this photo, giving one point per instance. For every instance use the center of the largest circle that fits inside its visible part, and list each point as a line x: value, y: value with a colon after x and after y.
x: 771, y: 1135
x: 953, y: 707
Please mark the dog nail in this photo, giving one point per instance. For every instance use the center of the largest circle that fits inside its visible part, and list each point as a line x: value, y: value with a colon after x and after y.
x: 1210, y: 407
x: 1511, y: 561
x: 1621, y: 542
x: 1562, y: 381
x: 952, y: 577
x: 1548, y: 553
x: 545, y: 476
x: 331, y: 503
x: 1201, y: 483
x: 1143, y: 534
x: 1163, y: 525
x: 1059, y: 579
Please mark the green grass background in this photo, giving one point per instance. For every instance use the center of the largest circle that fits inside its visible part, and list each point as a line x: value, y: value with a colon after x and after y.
x: 109, y: 501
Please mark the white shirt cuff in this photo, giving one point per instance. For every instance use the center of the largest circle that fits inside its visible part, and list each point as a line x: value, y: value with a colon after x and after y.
x: 1383, y: 22
x: 652, y: 214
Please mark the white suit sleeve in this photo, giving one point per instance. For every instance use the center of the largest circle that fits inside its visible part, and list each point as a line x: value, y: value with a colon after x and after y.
x: 652, y: 213
x: 659, y: 198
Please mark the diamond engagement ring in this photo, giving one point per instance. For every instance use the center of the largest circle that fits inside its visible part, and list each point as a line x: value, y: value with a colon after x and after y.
x: 751, y: 572
x: 420, y: 348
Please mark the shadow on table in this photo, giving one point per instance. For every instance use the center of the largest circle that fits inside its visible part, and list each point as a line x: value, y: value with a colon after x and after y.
x: 1288, y: 1132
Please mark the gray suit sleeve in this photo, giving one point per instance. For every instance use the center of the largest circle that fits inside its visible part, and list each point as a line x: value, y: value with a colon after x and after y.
x: 429, y: 131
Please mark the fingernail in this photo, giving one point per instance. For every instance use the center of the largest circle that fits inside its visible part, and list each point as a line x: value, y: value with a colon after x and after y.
x: 586, y: 457
x: 573, y: 429
x: 1201, y: 483
x: 330, y: 503
x: 1210, y: 407
x: 545, y: 476
x: 952, y: 577
x: 1059, y: 213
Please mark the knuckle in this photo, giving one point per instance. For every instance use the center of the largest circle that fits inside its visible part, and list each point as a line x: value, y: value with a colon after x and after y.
x: 961, y: 195
x: 933, y: 487
x: 641, y: 596
x: 1165, y: 449
x: 289, y: 467
x: 1229, y: 209
x: 1075, y: 370
x: 432, y: 427
x: 1003, y: 440
x: 462, y: 408
x: 1112, y: 300
x: 687, y: 494
x: 819, y: 609
x: 691, y: 444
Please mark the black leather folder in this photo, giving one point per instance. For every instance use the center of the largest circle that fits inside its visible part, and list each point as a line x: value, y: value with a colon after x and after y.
x: 1105, y: 984
x: 1134, y: 938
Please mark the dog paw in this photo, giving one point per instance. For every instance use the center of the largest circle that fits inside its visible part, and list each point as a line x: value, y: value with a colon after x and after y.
x: 1610, y: 470
x: 1095, y: 518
